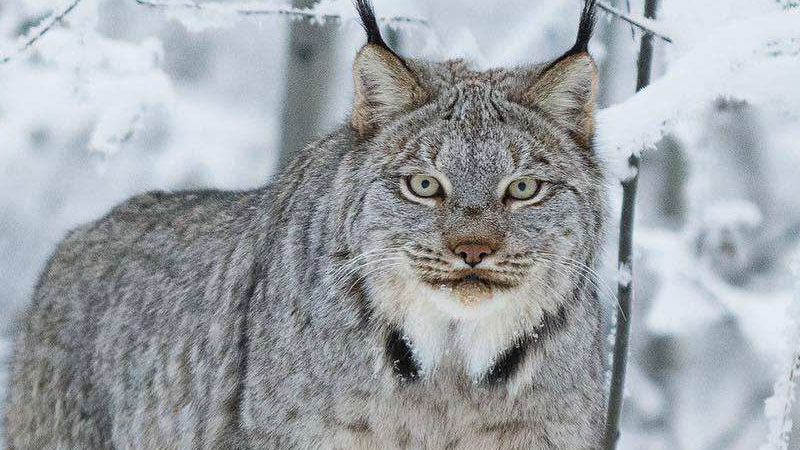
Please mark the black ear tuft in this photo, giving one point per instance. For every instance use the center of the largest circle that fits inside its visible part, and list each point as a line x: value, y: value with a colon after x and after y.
x: 370, y: 23
x: 585, y: 29
x: 385, y: 86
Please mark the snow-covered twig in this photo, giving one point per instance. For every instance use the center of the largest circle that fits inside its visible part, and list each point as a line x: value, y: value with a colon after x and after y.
x: 625, y: 283
x: 262, y: 8
x: 40, y: 30
x: 645, y: 25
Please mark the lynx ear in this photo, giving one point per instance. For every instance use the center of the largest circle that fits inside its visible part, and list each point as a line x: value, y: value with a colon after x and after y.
x: 566, y: 92
x: 385, y: 86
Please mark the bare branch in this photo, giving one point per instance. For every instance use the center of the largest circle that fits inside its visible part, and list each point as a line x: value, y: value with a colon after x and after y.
x: 40, y: 30
x: 254, y: 9
x: 644, y: 24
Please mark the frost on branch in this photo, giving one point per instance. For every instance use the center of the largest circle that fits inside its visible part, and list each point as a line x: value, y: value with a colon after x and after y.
x: 197, y: 16
x: 778, y: 408
x: 645, y: 25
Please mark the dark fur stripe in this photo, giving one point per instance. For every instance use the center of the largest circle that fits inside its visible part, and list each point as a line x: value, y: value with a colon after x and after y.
x: 554, y: 323
x: 243, y: 348
x: 400, y: 357
x: 511, y: 360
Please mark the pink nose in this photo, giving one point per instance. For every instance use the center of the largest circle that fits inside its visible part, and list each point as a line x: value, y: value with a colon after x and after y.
x: 472, y: 253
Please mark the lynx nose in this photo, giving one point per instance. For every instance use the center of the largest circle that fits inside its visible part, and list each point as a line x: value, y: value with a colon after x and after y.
x: 472, y: 253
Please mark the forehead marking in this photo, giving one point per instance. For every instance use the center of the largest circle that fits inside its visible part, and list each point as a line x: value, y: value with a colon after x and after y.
x: 514, y: 150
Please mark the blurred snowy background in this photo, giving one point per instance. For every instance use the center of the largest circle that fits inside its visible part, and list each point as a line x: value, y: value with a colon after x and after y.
x: 120, y: 97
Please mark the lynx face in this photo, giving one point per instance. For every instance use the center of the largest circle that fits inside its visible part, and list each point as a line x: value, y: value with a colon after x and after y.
x: 481, y: 196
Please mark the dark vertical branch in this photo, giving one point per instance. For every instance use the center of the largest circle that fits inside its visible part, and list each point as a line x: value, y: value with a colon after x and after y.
x: 625, y: 288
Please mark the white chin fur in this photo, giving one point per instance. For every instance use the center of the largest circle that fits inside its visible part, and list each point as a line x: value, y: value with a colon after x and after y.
x: 439, y: 322
x: 471, y: 307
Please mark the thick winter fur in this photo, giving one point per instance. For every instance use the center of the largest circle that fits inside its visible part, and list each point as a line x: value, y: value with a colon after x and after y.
x: 328, y: 310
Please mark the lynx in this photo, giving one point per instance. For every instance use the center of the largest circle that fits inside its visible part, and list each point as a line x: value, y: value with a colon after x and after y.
x: 418, y: 279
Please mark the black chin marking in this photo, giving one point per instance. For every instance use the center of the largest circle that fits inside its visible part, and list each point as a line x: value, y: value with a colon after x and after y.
x: 400, y: 357
x: 509, y: 362
x: 512, y: 358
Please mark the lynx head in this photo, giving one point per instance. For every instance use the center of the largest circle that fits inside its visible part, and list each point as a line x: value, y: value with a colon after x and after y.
x: 478, y: 188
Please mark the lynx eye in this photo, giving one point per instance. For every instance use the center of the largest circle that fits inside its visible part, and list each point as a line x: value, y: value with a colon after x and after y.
x: 525, y: 188
x: 424, y: 185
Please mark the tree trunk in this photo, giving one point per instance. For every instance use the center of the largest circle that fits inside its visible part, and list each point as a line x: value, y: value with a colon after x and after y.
x: 311, y: 53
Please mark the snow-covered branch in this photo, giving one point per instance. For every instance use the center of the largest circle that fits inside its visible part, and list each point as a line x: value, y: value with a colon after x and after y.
x: 787, y: 4
x: 321, y: 12
x: 778, y: 408
x: 726, y: 64
x: 40, y: 30
x: 645, y: 25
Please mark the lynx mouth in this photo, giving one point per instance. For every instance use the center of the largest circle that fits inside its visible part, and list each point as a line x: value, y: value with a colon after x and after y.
x: 472, y: 281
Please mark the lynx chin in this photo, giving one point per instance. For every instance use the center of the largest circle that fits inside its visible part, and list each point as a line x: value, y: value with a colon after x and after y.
x: 418, y: 279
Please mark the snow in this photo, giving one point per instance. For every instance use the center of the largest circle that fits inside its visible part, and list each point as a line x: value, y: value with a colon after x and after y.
x: 691, y: 297
x: 735, y: 210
